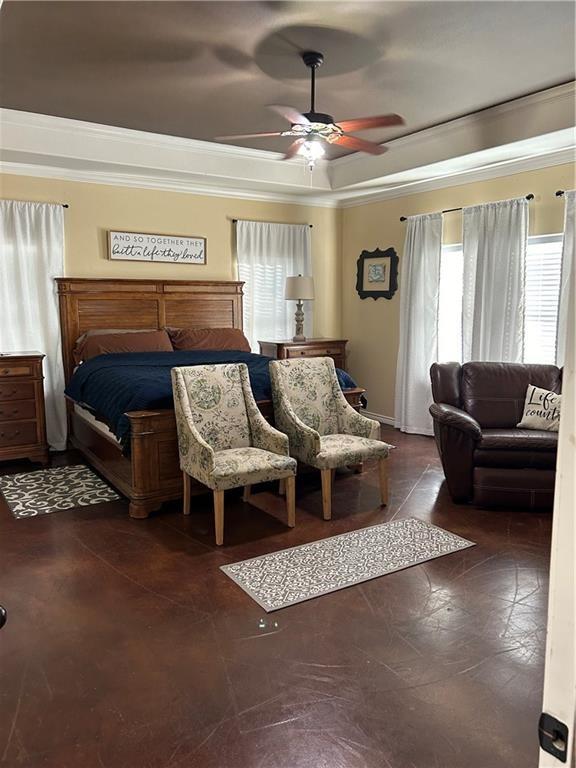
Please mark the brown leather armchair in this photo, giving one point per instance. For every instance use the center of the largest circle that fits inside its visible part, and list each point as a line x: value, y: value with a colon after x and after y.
x: 488, y: 461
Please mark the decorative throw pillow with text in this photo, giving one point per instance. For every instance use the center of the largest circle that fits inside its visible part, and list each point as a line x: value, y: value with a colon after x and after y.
x: 541, y: 410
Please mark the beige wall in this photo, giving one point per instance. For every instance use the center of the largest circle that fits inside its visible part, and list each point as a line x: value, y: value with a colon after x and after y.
x: 96, y: 208
x: 338, y: 237
x: 372, y: 326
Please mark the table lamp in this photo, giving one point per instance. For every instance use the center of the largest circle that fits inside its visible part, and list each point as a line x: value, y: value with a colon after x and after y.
x: 299, y: 288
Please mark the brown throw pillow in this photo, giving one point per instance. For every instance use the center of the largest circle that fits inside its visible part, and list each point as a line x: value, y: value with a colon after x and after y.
x: 122, y: 341
x: 208, y: 338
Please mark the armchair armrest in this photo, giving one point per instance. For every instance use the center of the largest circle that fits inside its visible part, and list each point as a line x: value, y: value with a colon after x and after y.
x: 350, y: 422
x: 263, y: 435
x: 196, y: 456
x: 450, y: 416
x: 201, y: 456
x: 304, y: 441
x: 266, y: 437
x: 456, y: 434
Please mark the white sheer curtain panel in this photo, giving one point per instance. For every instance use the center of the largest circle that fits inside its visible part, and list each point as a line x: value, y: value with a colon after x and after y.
x: 419, y: 291
x: 568, y: 267
x: 31, y: 256
x: 494, y: 245
x: 268, y: 254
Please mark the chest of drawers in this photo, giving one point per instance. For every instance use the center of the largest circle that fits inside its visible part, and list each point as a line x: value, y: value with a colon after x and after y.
x: 284, y: 350
x: 22, y: 414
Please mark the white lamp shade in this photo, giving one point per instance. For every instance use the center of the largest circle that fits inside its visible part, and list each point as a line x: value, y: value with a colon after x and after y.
x: 299, y: 287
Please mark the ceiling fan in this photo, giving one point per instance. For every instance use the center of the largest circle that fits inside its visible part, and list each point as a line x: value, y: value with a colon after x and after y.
x: 312, y: 130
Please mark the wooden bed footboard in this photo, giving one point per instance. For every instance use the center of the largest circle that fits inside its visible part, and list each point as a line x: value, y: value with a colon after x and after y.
x: 151, y: 474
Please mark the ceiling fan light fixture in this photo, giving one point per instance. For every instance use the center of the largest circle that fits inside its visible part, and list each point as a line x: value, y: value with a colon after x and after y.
x: 312, y: 150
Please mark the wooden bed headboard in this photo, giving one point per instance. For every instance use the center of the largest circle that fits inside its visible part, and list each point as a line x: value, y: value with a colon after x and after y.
x: 87, y: 304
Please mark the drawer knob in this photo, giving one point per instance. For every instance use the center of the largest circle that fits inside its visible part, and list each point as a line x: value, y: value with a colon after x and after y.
x: 6, y: 434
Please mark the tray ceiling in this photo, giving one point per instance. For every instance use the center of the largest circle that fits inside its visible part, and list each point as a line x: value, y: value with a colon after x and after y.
x: 200, y: 69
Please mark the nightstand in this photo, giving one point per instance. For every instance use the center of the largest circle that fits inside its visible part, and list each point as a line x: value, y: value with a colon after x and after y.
x: 283, y: 350
x: 22, y: 415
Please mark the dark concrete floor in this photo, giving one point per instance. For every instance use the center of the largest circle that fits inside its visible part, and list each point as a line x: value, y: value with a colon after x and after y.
x: 127, y: 647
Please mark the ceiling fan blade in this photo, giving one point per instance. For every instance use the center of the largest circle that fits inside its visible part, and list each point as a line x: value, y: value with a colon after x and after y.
x: 293, y: 149
x: 363, y: 123
x: 247, y: 136
x: 360, y: 145
x: 289, y: 113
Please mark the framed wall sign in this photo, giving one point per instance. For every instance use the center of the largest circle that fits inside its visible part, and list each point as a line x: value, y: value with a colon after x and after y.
x: 377, y: 274
x: 140, y: 246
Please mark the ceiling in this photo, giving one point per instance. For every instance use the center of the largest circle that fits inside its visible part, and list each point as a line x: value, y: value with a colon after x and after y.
x: 202, y: 69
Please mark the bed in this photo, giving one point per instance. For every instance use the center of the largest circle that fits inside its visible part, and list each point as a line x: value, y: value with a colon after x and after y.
x: 145, y: 468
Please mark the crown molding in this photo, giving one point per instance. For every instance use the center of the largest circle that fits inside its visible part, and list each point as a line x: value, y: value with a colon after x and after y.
x: 560, y: 95
x: 166, y: 184
x: 75, y: 145
x: 442, y: 156
x: 348, y: 199
x: 457, y: 178
x: 522, y: 120
x: 127, y: 136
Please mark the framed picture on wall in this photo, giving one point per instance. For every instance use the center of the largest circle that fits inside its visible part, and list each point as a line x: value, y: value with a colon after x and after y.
x: 143, y: 246
x: 377, y: 275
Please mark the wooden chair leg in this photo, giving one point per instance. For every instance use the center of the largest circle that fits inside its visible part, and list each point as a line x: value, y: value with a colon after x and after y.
x: 326, y: 493
x: 219, y: 516
x: 186, y: 495
x: 291, y: 500
x: 247, y: 493
x: 282, y: 487
x: 383, y: 474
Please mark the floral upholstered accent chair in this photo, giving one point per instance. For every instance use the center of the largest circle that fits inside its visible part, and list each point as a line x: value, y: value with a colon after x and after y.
x: 323, y: 428
x: 223, y: 439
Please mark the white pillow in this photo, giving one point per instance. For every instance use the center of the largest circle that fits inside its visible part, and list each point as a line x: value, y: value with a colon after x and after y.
x: 541, y: 410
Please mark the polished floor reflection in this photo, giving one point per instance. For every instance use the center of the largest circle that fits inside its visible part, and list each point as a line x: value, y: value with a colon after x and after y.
x: 127, y: 647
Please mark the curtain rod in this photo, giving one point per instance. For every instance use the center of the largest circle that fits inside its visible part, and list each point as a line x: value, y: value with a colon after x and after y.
x: 450, y: 210
x: 235, y: 221
x: 64, y: 205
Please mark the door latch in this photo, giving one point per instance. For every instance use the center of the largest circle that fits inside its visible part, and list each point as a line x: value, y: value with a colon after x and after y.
x: 553, y: 736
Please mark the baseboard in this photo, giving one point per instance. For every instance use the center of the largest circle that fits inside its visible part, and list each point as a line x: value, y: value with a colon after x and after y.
x: 389, y: 420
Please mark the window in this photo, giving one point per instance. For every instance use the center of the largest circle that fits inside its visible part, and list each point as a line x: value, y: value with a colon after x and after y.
x: 542, y: 280
x: 267, y: 254
x: 450, y: 304
x: 542, y: 283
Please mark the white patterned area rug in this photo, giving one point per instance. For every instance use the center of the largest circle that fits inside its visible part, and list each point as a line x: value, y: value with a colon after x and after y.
x: 29, y: 494
x: 300, y: 573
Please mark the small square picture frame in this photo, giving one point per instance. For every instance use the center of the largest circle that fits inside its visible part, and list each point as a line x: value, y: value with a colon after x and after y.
x: 377, y: 274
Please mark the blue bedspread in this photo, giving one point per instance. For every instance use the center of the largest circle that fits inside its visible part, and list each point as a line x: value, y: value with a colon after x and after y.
x: 111, y: 385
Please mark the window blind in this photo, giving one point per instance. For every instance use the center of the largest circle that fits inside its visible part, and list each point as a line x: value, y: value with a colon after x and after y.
x: 542, y: 286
